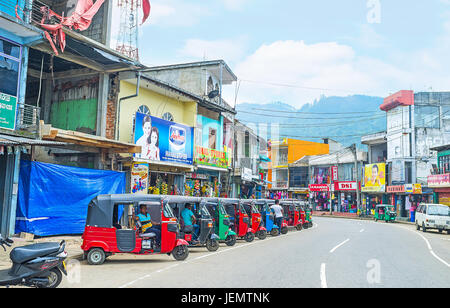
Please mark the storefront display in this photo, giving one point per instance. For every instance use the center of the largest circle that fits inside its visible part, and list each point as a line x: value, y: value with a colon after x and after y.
x: 202, y: 185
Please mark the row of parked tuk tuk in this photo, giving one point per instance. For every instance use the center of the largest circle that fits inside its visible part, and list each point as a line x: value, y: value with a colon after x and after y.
x: 112, y: 227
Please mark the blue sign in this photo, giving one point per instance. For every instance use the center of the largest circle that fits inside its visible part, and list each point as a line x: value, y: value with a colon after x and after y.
x: 162, y: 140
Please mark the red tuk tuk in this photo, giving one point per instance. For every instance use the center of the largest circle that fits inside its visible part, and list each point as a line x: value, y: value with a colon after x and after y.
x: 256, y: 219
x: 239, y: 218
x: 292, y: 214
x: 111, y: 228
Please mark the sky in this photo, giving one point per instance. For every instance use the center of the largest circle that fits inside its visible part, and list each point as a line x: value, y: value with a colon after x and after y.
x: 295, y: 51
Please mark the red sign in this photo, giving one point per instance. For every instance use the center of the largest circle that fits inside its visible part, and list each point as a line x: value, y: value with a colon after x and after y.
x: 439, y: 180
x: 334, y: 173
x: 345, y: 186
x: 396, y: 189
x: 319, y: 187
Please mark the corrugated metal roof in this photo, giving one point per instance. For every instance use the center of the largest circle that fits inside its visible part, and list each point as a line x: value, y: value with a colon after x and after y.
x: 13, y: 140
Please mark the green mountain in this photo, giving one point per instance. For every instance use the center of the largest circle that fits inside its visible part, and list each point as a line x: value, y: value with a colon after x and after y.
x: 344, y: 119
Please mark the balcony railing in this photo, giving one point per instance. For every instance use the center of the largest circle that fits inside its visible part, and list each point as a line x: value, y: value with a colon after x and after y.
x: 28, y: 118
x: 20, y: 9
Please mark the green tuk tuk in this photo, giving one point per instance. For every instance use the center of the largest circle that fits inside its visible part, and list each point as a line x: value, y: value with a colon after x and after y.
x: 221, y: 219
x: 385, y: 212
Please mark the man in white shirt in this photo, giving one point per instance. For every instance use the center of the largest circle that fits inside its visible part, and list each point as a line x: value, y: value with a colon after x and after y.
x: 278, y: 211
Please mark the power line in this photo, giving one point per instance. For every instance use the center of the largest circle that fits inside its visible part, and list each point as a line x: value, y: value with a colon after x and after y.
x: 304, y: 112
x: 296, y: 117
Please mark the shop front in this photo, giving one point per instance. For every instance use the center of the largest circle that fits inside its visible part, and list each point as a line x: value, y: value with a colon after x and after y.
x: 166, y: 156
x: 440, y: 183
x: 210, y: 174
x: 406, y: 198
x: 320, y: 195
x: 346, y: 194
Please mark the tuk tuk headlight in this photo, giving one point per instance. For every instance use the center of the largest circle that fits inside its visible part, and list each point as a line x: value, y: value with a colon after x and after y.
x: 210, y: 224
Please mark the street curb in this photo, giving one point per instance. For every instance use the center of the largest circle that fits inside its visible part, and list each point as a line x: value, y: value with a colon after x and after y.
x: 361, y: 218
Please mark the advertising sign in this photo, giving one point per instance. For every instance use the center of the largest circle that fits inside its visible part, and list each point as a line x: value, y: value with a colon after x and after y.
x: 209, y: 157
x: 321, y: 175
x: 334, y: 173
x: 163, y: 140
x: 139, y: 178
x: 8, y: 105
x: 439, y: 180
x: 319, y: 187
x: 246, y: 174
x: 375, y: 178
x: 345, y: 186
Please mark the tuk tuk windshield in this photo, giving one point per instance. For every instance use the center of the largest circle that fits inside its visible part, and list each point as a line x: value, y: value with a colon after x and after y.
x: 204, y: 212
x: 168, y: 211
x: 255, y: 209
x: 222, y: 210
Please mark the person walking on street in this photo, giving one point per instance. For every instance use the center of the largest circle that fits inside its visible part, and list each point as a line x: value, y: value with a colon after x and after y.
x: 278, y: 211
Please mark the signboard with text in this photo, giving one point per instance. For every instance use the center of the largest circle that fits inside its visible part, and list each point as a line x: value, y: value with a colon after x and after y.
x: 209, y: 157
x: 319, y: 187
x: 8, y: 106
x: 439, y: 180
x: 374, y: 178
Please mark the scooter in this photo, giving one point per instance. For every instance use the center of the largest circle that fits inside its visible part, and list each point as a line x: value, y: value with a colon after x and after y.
x: 38, y: 265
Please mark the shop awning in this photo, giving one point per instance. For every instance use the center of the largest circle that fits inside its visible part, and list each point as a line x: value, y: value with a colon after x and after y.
x: 14, y: 141
x: 212, y: 168
x: 71, y: 137
x: 264, y: 158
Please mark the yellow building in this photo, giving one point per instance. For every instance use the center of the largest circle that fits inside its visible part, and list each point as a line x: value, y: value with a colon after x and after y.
x: 288, y: 151
x: 171, y: 114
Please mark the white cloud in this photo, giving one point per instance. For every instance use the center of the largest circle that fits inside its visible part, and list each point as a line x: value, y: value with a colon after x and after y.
x: 234, y: 4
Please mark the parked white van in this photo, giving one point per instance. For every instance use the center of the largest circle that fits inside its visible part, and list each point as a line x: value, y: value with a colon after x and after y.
x: 433, y: 216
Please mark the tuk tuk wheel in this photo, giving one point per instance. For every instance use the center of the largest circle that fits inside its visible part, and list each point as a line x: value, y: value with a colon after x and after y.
x: 212, y: 245
x: 230, y: 240
x: 96, y: 256
x: 274, y: 232
x: 180, y: 253
x: 262, y: 235
x: 299, y: 227
x: 249, y: 237
x: 284, y: 230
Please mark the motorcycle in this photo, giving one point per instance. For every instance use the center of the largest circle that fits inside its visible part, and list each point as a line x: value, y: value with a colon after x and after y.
x: 39, y: 265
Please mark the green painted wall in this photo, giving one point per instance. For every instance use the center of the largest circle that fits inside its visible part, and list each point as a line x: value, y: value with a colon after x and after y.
x: 76, y: 115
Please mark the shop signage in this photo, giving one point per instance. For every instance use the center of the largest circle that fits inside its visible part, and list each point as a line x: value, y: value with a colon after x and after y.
x: 374, y: 178
x: 407, y: 188
x: 139, y: 178
x: 199, y: 176
x: 334, y: 173
x: 396, y: 189
x: 8, y: 105
x: 246, y: 174
x: 319, y: 187
x: 345, y: 186
x: 439, y: 180
x: 163, y: 140
x: 209, y: 157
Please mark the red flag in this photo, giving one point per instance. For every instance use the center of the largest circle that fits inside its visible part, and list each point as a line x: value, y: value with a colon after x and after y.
x: 145, y: 9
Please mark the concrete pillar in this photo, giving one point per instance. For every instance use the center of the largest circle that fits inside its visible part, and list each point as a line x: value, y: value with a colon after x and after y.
x: 102, y: 104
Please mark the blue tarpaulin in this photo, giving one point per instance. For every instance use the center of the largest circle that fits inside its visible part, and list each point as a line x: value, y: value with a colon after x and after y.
x: 53, y: 199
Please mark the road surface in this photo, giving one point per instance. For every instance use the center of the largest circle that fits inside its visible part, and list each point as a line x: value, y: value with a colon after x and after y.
x: 334, y: 253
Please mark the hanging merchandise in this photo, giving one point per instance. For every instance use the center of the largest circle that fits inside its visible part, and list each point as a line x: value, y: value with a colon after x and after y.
x: 197, y: 189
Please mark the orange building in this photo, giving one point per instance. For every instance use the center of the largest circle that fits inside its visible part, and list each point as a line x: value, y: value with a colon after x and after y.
x: 285, y: 152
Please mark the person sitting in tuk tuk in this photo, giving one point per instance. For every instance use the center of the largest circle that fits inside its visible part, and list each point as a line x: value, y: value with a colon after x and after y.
x: 189, y: 219
x: 148, y: 225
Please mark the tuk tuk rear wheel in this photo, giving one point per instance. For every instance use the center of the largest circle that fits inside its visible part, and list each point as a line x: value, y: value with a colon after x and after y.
x: 274, y: 232
x: 249, y: 237
x: 299, y: 227
x: 262, y: 235
x: 96, y: 256
x: 284, y: 230
x: 212, y: 245
x: 180, y: 253
x: 230, y: 240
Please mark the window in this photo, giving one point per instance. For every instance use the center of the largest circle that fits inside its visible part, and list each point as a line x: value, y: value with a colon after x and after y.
x: 9, y: 68
x: 445, y: 112
x: 144, y: 109
x: 247, y: 145
x: 427, y: 116
x: 168, y: 117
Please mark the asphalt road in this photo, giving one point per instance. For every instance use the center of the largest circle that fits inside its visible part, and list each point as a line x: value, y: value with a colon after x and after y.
x: 334, y: 253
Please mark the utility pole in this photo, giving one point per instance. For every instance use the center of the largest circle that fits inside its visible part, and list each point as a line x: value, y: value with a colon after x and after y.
x: 358, y: 193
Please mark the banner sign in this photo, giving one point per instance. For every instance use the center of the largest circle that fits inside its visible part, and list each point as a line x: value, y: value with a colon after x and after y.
x: 209, y: 157
x: 375, y: 178
x: 139, y: 178
x: 396, y: 189
x: 319, y: 187
x: 345, y: 186
x: 334, y: 173
x: 163, y: 140
x: 8, y: 105
x: 407, y: 188
x: 439, y: 180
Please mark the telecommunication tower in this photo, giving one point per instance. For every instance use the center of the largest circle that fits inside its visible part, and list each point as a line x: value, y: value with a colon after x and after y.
x: 127, y: 42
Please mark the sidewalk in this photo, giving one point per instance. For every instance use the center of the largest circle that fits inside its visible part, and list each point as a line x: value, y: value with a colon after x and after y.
x: 401, y: 220
x: 73, y: 248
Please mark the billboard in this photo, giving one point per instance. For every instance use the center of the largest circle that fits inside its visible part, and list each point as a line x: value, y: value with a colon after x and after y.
x: 210, y: 157
x: 375, y: 178
x: 139, y: 178
x: 163, y: 140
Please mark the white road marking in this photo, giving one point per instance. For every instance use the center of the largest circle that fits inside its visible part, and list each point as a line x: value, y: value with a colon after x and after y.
x: 206, y: 256
x: 323, y: 276
x: 361, y: 231
x: 334, y: 249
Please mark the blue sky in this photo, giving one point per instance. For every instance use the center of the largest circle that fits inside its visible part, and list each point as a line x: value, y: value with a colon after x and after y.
x: 331, y: 46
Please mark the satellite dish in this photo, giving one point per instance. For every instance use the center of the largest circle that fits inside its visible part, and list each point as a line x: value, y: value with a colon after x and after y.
x: 213, y: 94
